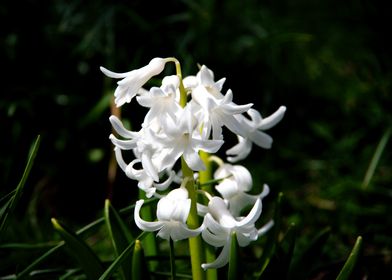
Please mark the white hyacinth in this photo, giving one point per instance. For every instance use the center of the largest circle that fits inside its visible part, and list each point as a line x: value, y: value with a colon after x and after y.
x: 186, y: 116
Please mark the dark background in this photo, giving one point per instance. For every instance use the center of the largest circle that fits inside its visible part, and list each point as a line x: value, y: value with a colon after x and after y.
x: 329, y: 62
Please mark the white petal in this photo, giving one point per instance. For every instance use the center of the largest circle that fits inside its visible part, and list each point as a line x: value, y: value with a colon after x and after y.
x: 219, y: 84
x: 227, y: 188
x: 210, y: 146
x: 240, y: 201
x: 261, y: 139
x: 213, y: 239
x: 123, y: 144
x: 142, y: 224
x: 265, y: 228
x: 206, y: 76
x: 243, y: 177
x: 253, y: 215
x: 120, y: 129
x: 239, y: 151
x: 222, y: 259
x: 149, y: 166
x: 193, y: 160
x: 245, y: 239
x: 265, y: 191
x: 273, y: 119
x: 164, y: 185
x: 119, y: 158
x: 218, y: 209
x: 112, y: 74
x: 214, y: 226
x: 190, y: 82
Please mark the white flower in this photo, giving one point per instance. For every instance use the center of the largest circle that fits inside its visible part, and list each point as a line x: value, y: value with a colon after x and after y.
x: 205, y: 78
x: 172, y: 213
x: 132, y: 81
x: 161, y: 101
x: 180, y: 137
x: 237, y: 181
x: 220, y: 224
x: 145, y: 181
x: 253, y: 133
x: 219, y: 112
x: 146, y: 155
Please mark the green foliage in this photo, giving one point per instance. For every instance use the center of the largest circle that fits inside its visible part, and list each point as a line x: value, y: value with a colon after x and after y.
x: 79, y: 250
x: 352, y: 260
x: 119, y: 234
x: 10, y: 200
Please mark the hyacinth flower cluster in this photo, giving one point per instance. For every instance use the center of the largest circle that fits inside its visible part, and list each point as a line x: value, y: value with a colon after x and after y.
x: 179, y: 139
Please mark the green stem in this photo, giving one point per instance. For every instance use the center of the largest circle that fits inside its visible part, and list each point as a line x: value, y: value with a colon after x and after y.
x: 172, y: 259
x: 195, y: 244
x: 205, y: 176
x: 233, y: 260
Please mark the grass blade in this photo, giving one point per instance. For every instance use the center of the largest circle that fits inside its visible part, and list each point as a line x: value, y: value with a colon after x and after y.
x: 351, y: 260
x: 24, y: 273
x: 10, y: 205
x: 139, y: 265
x: 302, y: 264
x: 80, y: 251
x: 272, y: 238
x: 120, y: 236
x: 376, y: 158
x: 120, y: 259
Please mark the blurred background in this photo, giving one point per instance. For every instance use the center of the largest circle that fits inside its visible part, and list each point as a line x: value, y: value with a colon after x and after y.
x: 329, y: 62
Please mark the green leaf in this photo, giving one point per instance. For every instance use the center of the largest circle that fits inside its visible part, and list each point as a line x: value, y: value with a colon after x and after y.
x: 233, y: 258
x: 376, y: 158
x: 80, y: 251
x: 351, y: 260
x: 308, y: 258
x: 95, y: 113
x: 272, y: 238
x: 9, y: 206
x: 27, y: 270
x: 24, y: 273
x: 120, y: 236
x: 139, y: 265
x: 120, y: 259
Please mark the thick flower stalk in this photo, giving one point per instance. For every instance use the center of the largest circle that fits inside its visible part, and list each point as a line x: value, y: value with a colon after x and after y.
x: 188, y: 116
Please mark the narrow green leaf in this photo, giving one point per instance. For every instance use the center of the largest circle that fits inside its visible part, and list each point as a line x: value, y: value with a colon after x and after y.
x: 69, y: 273
x: 80, y: 251
x: 280, y: 261
x: 10, y: 205
x: 289, y: 239
x: 351, y: 260
x: 26, y: 246
x: 24, y: 273
x: 100, y: 107
x: 36, y: 262
x: 233, y: 259
x: 120, y: 259
x: 376, y: 158
x: 139, y: 265
x: 272, y: 238
x: 120, y: 236
x: 308, y: 258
